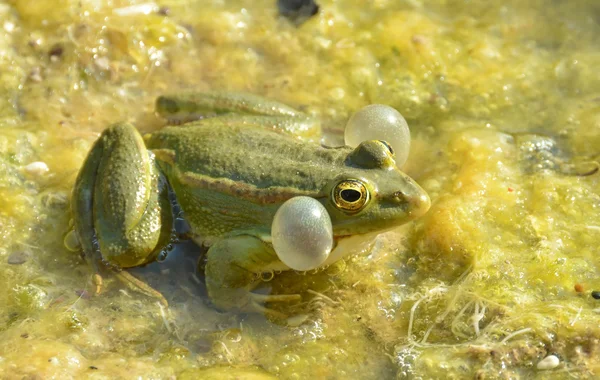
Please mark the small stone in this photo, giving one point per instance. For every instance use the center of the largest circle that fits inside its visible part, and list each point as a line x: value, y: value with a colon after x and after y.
x: 82, y: 293
x: 596, y: 294
x: 164, y: 11
x: 35, y: 74
x: 56, y: 52
x: 37, y: 168
x: 18, y: 258
x: 297, y: 10
x: 54, y: 360
x: 549, y: 362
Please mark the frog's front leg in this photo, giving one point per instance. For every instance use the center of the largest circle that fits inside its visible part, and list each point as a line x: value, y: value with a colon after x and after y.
x: 233, y: 269
x: 226, y: 108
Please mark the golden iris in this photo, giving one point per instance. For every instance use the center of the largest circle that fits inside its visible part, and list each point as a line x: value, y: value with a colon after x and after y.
x: 350, y: 195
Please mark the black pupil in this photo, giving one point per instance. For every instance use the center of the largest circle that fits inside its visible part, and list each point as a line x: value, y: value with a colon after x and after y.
x: 350, y: 195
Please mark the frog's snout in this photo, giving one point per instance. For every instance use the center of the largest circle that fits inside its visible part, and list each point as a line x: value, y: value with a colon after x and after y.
x: 416, y: 204
x: 421, y: 204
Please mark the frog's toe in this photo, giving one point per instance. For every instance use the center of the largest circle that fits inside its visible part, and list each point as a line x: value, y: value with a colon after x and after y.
x: 71, y: 241
x: 270, y: 313
x: 141, y: 286
x: 263, y: 298
x: 257, y: 302
x: 98, y: 283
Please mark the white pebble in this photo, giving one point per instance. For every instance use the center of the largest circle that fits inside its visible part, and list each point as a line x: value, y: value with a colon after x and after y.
x: 138, y: 9
x: 302, y: 233
x: 549, y: 362
x: 54, y: 360
x: 380, y: 122
x: 37, y: 168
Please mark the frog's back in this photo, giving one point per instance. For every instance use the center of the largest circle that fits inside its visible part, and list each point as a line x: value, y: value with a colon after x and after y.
x: 235, y: 177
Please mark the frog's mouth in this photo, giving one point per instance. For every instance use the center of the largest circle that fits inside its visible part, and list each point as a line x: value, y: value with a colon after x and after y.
x: 345, y: 245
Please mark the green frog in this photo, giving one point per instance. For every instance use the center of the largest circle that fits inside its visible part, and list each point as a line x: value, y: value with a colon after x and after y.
x: 230, y: 164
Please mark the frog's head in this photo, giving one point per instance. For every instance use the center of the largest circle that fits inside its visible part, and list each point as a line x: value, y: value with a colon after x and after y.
x: 371, y: 193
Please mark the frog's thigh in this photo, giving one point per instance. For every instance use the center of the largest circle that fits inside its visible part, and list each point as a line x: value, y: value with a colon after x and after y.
x: 119, y: 200
x: 233, y: 269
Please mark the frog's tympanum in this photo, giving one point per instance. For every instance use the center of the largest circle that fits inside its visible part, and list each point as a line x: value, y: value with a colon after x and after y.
x: 229, y: 174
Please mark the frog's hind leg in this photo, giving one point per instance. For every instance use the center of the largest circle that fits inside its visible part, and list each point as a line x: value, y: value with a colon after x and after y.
x: 233, y: 270
x: 197, y: 105
x: 226, y: 108
x: 121, y: 209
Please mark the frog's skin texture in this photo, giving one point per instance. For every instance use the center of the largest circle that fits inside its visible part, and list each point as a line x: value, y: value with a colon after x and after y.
x: 229, y: 174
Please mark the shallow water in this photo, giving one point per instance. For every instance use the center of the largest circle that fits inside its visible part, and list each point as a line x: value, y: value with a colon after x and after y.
x: 503, y: 101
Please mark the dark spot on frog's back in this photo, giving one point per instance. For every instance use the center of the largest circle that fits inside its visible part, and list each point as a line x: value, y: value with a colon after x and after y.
x: 297, y: 10
x: 166, y: 104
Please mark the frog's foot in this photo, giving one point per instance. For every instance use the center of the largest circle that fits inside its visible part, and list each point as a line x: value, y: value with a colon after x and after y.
x: 140, y: 286
x: 233, y: 269
x: 71, y: 242
x: 257, y: 302
x: 579, y: 168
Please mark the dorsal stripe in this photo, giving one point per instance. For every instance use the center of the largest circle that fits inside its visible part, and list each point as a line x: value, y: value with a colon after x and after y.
x: 246, y: 191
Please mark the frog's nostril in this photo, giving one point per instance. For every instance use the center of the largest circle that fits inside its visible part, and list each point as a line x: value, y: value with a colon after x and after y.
x: 399, y: 197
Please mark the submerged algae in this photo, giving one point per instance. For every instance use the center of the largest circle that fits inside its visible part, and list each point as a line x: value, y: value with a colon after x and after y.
x: 499, y: 95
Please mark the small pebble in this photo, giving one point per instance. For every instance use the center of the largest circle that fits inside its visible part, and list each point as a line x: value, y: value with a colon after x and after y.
x: 164, y: 11
x: 82, y: 293
x: 138, y: 9
x: 36, y: 74
x: 37, y: 168
x: 596, y: 294
x: 549, y: 362
x: 54, y: 360
x: 56, y: 52
x: 18, y: 258
x: 297, y: 10
x: 578, y: 288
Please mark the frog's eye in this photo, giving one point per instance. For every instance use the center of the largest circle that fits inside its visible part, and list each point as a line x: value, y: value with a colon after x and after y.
x: 388, y: 146
x: 350, y: 195
x: 380, y: 122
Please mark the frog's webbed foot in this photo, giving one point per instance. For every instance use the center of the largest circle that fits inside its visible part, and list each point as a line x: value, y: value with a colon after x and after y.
x: 579, y: 168
x: 233, y: 269
x: 226, y: 108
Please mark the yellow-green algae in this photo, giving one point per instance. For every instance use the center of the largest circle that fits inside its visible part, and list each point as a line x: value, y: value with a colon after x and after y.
x: 501, y: 96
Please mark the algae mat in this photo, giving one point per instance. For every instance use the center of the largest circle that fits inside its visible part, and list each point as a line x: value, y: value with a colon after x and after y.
x: 503, y: 99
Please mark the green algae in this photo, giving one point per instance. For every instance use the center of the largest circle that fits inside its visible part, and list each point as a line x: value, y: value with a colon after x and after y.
x: 502, y: 98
